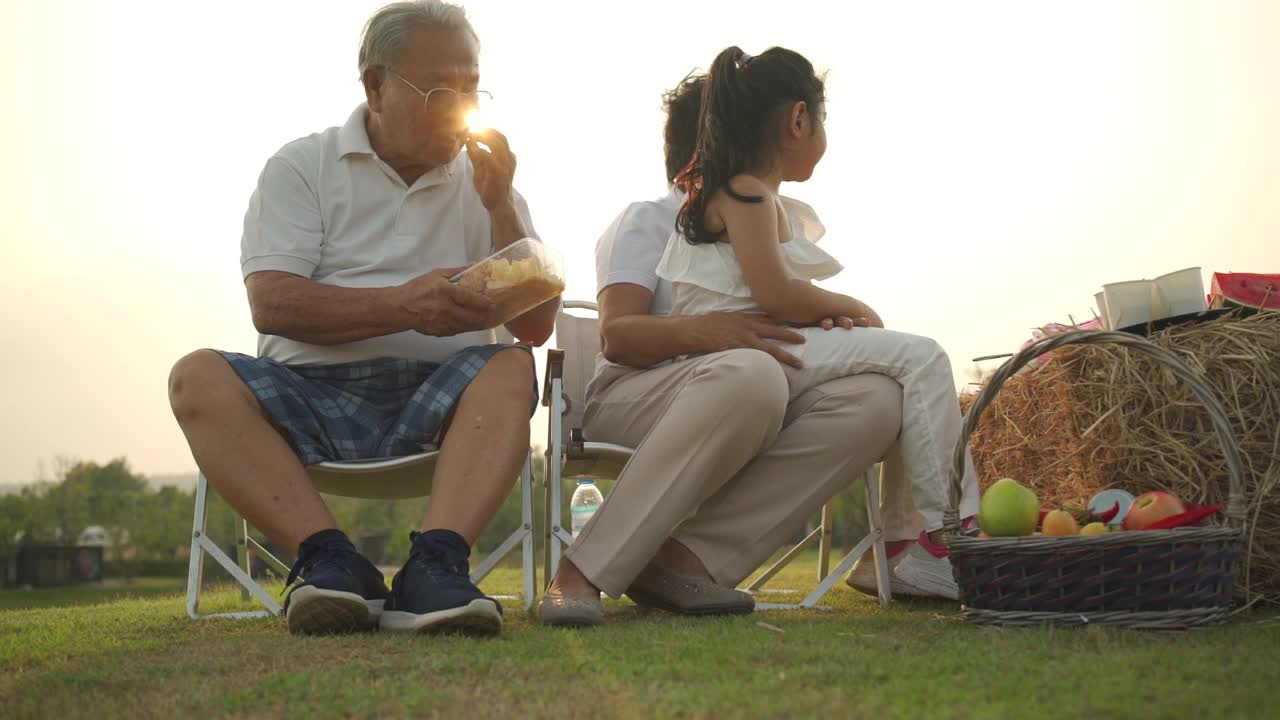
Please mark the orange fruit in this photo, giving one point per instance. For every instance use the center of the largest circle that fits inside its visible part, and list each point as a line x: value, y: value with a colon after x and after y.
x: 1060, y: 523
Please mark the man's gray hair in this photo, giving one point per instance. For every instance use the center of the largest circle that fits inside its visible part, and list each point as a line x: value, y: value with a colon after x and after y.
x: 386, y: 33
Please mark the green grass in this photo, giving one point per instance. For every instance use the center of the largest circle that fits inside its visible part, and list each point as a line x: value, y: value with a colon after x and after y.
x: 95, y: 652
x: 90, y: 594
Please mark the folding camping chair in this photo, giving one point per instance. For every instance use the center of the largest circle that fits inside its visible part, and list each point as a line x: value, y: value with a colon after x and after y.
x: 873, y: 540
x: 568, y: 369
x: 382, y: 479
x: 568, y: 452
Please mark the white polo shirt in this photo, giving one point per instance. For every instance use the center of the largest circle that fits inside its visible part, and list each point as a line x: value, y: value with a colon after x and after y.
x: 329, y: 209
x: 629, y: 250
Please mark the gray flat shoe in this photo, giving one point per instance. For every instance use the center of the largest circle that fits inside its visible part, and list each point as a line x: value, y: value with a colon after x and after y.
x: 570, y: 610
x: 687, y: 595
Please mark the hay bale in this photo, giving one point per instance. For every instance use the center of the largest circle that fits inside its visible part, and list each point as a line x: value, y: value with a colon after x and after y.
x: 1098, y: 416
x: 1028, y: 433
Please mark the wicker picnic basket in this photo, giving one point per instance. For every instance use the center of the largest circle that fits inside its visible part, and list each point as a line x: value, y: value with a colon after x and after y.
x: 1149, y: 579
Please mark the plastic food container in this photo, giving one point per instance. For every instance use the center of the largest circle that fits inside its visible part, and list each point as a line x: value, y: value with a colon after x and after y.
x: 517, y: 278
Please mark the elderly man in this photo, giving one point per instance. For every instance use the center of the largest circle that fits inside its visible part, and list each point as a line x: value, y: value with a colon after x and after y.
x: 366, y: 349
x: 725, y: 469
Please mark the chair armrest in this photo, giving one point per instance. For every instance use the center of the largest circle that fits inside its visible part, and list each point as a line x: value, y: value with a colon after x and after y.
x: 555, y: 371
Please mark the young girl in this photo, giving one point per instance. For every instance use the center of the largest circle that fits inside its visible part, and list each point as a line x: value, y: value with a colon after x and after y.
x: 741, y: 247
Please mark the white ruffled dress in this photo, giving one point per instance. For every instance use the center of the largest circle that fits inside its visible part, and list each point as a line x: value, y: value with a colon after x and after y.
x: 707, y: 278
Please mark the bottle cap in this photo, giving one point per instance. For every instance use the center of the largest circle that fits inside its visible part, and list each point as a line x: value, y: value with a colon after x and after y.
x: 586, y: 481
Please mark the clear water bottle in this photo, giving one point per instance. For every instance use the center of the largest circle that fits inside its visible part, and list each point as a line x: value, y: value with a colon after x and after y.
x: 586, y: 500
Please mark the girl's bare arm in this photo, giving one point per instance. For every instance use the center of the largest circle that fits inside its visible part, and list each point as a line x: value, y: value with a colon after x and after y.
x: 752, y: 229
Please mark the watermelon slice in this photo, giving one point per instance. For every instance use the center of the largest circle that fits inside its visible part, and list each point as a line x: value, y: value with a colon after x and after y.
x: 1251, y: 291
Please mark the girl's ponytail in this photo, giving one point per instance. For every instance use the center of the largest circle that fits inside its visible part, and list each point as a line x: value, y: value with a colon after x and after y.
x: 740, y: 105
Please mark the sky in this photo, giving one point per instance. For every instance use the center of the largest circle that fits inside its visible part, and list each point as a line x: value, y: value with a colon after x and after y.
x: 991, y: 165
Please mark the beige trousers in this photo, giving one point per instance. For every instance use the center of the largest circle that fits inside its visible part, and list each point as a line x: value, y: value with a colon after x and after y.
x: 727, y: 466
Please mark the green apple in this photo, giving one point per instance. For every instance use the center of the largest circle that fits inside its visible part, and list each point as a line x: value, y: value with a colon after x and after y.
x: 1008, y: 509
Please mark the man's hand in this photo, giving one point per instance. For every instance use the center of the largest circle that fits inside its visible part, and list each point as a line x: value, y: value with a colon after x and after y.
x: 730, y: 331
x: 440, y: 308
x: 495, y: 168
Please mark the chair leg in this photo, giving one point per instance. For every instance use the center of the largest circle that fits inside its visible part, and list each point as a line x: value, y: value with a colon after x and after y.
x: 840, y: 571
x: 557, y: 521
x: 526, y: 521
x: 824, y: 534
x: 824, y: 543
x: 876, y: 527
x: 783, y: 561
x: 556, y: 535
x: 265, y: 555
x: 522, y: 535
x: 201, y: 544
x: 873, y: 540
x: 547, y: 537
x: 242, y: 545
x: 195, y: 564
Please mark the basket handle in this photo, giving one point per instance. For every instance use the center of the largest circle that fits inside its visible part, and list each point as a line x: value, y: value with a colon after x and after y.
x: 1217, y: 413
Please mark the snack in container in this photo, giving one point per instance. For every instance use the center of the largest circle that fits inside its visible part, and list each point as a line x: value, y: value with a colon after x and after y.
x: 517, y: 278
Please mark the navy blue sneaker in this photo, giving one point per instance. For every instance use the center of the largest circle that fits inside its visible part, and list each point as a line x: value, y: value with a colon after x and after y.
x: 341, y: 591
x: 433, y: 592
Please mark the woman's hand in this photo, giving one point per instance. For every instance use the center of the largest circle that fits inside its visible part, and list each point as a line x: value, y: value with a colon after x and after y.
x: 847, y: 323
x: 716, y: 332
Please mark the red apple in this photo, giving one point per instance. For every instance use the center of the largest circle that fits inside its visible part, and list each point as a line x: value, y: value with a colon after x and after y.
x: 1152, y: 507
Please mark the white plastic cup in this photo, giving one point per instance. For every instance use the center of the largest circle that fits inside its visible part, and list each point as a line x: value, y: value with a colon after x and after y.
x: 1129, y: 303
x: 1182, y: 291
x: 1101, y: 300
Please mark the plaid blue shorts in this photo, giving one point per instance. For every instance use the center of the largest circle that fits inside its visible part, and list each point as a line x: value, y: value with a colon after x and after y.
x: 384, y: 407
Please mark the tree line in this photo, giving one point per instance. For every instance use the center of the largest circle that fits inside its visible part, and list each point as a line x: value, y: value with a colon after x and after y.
x: 150, y: 527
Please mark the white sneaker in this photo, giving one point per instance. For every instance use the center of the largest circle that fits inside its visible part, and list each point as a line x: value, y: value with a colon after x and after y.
x: 925, y: 575
x: 863, y: 576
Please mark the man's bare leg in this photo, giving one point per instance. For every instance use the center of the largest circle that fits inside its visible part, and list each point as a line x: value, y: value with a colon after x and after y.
x: 484, y: 448
x: 243, y: 456
x: 485, y: 444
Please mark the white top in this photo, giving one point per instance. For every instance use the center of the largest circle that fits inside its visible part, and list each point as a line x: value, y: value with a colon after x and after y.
x: 628, y: 252
x: 329, y: 209
x: 707, y: 278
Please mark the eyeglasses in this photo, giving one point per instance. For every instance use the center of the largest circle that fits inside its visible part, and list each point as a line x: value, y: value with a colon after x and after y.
x: 443, y: 99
